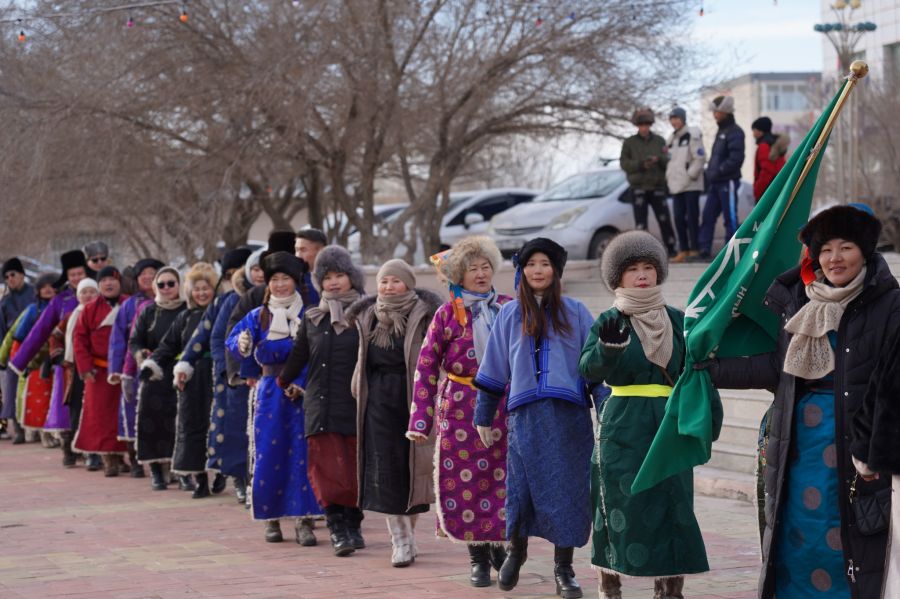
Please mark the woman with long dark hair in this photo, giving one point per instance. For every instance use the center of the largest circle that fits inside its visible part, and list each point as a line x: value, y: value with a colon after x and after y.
x: 533, y: 352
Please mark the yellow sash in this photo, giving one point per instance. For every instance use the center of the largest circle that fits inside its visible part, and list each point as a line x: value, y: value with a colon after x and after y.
x: 641, y: 390
x: 462, y: 380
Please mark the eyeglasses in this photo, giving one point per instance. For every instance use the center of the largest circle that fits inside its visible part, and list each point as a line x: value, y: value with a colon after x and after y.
x: 164, y: 284
x: 98, y: 259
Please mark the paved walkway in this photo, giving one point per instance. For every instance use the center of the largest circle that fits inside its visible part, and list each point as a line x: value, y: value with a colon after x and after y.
x: 75, y: 534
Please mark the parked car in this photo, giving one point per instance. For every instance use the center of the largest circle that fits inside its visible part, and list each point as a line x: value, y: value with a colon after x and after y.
x: 583, y: 212
x: 469, y: 213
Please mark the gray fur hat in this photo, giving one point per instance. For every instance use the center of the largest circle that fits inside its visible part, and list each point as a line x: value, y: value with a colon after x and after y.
x: 627, y: 248
x: 454, y: 266
x: 334, y: 258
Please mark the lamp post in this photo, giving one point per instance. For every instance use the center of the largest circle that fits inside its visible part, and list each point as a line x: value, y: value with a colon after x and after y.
x: 844, y: 36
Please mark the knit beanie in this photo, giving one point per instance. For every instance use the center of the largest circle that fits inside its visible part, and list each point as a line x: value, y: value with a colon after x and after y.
x: 722, y: 104
x: 763, y: 124
x: 86, y: 283
x: 252, y: 261
x: 679, y: 113
x: 400, y: 269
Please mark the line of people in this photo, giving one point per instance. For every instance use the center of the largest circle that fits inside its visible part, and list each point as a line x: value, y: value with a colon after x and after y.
x: 321, y: 401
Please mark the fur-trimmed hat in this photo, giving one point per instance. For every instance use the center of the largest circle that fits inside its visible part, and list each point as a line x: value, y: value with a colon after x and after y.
x: 69, y: 260
x: 557, y: 253
x: 334, y: 258
x: 628, y: 248
x: 643, y: 116
x: 285, y: 263
x: 201, y: 271
x: 13, y: 265
x: 45, y: 279
x: 457, y: 259
x: 280, y: 240
x: 853, y: 222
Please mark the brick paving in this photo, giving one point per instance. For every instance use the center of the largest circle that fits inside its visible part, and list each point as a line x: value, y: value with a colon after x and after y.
x: 75, y: 534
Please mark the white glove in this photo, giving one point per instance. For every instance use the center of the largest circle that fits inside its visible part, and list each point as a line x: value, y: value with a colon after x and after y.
x: 245, y: 343
x: 484, y: 432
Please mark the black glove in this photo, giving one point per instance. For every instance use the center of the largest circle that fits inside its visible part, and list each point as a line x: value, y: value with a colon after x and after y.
x: 145, y: 374
x: 615, y: 332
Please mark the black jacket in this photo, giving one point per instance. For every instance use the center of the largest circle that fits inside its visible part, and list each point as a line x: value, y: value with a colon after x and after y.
x: 727, y: 154
x: 870, y: 324
x: 328, y: 405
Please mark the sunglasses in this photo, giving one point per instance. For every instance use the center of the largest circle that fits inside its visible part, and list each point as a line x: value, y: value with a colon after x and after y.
x: 164, y: 284
x: 97, y: 259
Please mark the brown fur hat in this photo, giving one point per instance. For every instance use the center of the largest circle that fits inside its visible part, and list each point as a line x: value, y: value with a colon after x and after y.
x: 454, y: 266
x: 201, y: 271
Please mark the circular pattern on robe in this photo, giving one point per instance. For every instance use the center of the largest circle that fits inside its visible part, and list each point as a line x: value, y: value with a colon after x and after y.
x: 468, y: 516
x: 448, y: 464
x: 833, y: 538
x: 220, y: 412
x: 812, y: 415
x: 212, y: 451
x: 220, y: 388
x: 450, y: 484
x: 484, y: 484
x: 459, y: 414
x: 617, y: 520
x: 829, y: 456
x: 463, y: 454
x: 445, y: 426
x: 461, y: 435
x: 812, y: 498
x: 212, y: 426
x: 485, y: 505
x: 469, y: 536
x: 420, y: 425
x: 498, y: 473
x: 467, y: 495
x: 220, y: 438
x: 445, y: 444
x: 501, y: 514
x: 458, y: 395
x: 820, y: 580
x: 450, y: 504
x: 470, y: 353
x: 486, y: 525
x: 496, y: 434
x: 625, y: 484
x: 795, y: 537
x: 423, y: 393
x: 637, y: 554
x: 501, y: 493
x: 465, y: 475
x: 207, y: 325
x: 482, y: 464
x: 197, y: 347
x: 457, y: 368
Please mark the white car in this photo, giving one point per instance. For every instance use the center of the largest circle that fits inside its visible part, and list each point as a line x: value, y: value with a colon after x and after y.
x: 582, y: 213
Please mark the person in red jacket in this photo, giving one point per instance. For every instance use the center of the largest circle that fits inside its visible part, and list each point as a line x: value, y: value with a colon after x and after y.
x: 98, y: 429
x: 771, y: 151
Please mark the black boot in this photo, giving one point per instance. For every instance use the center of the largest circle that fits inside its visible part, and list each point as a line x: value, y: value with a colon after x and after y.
x: 273, y: 532
x: 340, y: 538
x: 202, y: 489
x: 218, y: 483
x: 94, y: 463
x: 157, y: 480
x: 566, y: 585
x: 304, y: 532
x: 508, y: 577
x: 498, y: 555
x: 137, y: 471
x: 19, y: 437
x: 480, y: 558
x: 240, y: 490
x: 353, y: 516
x: 186, y: 483
x: 68, y: 455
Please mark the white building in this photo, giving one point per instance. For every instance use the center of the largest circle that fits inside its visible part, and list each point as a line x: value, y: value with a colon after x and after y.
x: 789, y: 99
x: 879, y: 48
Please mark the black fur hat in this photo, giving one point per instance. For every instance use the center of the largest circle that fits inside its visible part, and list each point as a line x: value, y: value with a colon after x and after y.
x: 854, y: 222
x: 280, y: 240
x: 13, y: 265
x: 334, y: 258
x: 627, y: 248
x: 69, y: 260
x: 145, y: 263
x: 235, y: 258
x: 286, y: 263
x: 557, y: 253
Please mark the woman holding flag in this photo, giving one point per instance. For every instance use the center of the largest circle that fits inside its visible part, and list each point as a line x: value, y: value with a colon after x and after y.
x: 637, y: 348
x: 826, y: 523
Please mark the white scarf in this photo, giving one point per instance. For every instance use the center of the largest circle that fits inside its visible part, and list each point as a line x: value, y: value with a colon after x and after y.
x: 484, y: 309
x: 285, y: 313
x: 646, y: 309
x: 809, y: 354
x: 69, y: 351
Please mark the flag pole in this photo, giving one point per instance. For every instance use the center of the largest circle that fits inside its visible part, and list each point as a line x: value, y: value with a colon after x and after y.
x: 858, y: 70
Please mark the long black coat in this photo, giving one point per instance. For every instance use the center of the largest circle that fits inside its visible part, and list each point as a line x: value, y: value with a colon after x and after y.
x: 867, y: 329
x: 328, y: 404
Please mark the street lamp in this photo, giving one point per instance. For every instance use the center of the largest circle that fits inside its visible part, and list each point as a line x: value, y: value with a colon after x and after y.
x: 845, y: 36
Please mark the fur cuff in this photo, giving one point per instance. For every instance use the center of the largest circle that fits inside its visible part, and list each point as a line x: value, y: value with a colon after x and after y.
x: 185, y: 368
x: 613, y: 347
x: 414, y: 435
x: 862, y: 467
x: 110, y: 381
x: 155, y: 369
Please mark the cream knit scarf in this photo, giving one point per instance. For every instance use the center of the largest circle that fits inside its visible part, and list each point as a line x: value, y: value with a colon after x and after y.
x: 809, y: 354
x: 285, y: 313
x: 646, y: 309
x: 391, y: 312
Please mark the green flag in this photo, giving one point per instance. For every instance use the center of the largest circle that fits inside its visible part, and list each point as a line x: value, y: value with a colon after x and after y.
x: 725, y: 315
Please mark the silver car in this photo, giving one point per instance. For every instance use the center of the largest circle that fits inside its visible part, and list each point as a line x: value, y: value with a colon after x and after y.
x: 582, y: 213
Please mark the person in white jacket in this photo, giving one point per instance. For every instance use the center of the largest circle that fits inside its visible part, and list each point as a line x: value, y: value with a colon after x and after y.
x: 684, y: 177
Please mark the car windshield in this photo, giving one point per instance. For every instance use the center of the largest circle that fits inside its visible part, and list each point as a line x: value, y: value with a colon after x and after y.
x: 587, y: 185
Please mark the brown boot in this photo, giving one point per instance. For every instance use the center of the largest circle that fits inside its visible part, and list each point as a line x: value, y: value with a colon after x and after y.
x: 610, y: 586
x: 111, y: 465
x: 668, y: 588
x: 679, y: 257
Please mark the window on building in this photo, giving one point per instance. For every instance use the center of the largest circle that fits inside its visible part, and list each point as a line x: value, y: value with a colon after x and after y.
x: 785, y: 97
x: 892, y: 61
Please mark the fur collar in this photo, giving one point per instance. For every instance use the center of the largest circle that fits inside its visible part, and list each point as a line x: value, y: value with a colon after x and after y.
x: 431, y: 300
x: 239, y: 282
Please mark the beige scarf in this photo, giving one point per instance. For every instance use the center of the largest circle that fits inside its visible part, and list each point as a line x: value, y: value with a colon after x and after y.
x: 391, y: 312
x: 285, y: 313
x: 333, y: 304
x: 646, y: 309
x: 809, y: 354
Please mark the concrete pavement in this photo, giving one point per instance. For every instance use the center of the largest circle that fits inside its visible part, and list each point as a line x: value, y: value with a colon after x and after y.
x: 75, y: 534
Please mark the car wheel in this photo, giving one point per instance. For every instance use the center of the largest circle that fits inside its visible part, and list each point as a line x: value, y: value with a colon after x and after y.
x: 599, y: 242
